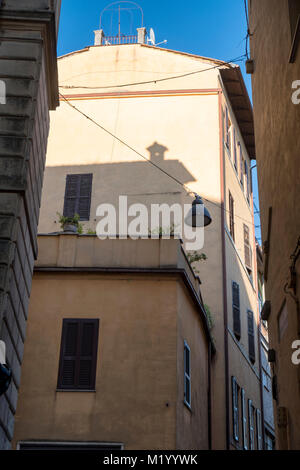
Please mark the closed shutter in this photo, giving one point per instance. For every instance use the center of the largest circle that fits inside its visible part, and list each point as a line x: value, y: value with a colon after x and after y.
x: 187, y: 374
x: 78, y: 355
x: 78, y: 196
x: 231, y: 216
x: 236, y: 310
x: 234, y: 149
x: 235, y: 409
x: 251, y: 425
x: 247, y: 248
x: 258, y: 430
x: 241, y: 166
x: 251, y: 341
x: 247, y: 181
x: 244, y: 420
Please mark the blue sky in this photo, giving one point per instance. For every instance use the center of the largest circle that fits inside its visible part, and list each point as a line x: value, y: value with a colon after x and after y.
x: 212, y: 28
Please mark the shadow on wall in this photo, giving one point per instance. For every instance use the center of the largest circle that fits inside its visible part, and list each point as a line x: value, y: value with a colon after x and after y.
x: 141, y: 181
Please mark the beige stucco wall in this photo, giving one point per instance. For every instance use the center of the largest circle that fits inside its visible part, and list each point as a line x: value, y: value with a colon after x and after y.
x: 276, y: 121
x: 143, y: 317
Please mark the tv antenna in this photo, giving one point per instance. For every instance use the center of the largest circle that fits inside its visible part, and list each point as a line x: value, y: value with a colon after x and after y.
x: 151, y: 39
x: 120, y: 7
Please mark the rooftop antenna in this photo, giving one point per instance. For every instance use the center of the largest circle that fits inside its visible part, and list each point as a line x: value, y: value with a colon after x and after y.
x: 151, y: 39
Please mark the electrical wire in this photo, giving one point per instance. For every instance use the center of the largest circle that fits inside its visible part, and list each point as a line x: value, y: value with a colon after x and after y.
x: 187, y: 189
x: 237, y: 59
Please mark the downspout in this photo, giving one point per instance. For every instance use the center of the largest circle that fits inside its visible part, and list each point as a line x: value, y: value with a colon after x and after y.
x: 224, y: 275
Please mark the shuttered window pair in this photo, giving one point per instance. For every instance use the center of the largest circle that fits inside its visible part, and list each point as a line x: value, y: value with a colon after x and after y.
x: 78, y: 196
x: 78, y: 355
x: 236, y: 310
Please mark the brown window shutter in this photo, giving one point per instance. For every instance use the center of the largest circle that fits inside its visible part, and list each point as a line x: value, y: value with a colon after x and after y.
x: 236, y: 310
x: 231, y: 216
x: 78, y: 195
x: 251, y: 341
x: 78, y: 356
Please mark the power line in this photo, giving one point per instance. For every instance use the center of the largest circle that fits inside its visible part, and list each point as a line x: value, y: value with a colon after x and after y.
x: 187, y: 189
x: 237, y: 59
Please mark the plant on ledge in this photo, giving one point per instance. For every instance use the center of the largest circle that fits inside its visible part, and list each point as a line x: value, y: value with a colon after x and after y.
x: 193, y: 257
x: 70, y: 224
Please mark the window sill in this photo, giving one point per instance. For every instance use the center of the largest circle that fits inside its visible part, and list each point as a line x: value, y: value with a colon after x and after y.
x: 75, y: 390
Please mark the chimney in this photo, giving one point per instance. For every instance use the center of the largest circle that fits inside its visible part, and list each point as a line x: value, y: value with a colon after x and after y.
x: 141, y: 35
x: 99, y: 36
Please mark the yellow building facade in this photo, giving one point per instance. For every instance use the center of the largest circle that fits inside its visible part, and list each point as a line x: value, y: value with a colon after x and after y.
x: 198, y: 128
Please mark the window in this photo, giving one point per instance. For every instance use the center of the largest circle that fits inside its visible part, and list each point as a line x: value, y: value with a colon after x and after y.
x: 251, y: 343
x: 187, y: 375
x: 236, y: 310
x: 251, y: 425
x: 78, y: 354
x: 227, y: 130
x: 258, y: 430
x: 242, y: 166
x: 244, y: 420
x: 235, y: 409
x: 247, y: 249
x: 78, y: 196
x: 294, y: 14
x: 231, y: 216
x: 269, y: 441
x: 234, y: 149
x: 247, y: 181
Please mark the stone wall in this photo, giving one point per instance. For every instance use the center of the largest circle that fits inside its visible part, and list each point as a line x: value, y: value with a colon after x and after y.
x: 28, y: 69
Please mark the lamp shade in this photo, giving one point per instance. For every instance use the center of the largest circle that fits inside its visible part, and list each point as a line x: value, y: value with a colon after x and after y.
x: 198, y: 215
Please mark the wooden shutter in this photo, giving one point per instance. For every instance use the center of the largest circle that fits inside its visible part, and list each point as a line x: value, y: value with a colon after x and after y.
x: 78, y: 356
x: 78, y: 196
x: 251, y: 425
x: 234, y: 149
x: 242, y: 166
x: 247, y: 180
x: 235, y: 409
x: 258, y: 430
x: 236, y: 309
x: 247, y: 247
x: 251, y: 341
x: 244, y: 420
x: 231, y: 216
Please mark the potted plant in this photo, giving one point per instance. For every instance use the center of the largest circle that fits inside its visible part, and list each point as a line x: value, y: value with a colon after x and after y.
x: 70, y: 224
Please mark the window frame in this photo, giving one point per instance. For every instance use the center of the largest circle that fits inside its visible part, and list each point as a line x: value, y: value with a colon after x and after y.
x: 78, y: 197
x: 235, y: 409
x: 251, y: 425
x: 187, y: 375
x: 231, y: 216
x: 77, y: 356
x: 251, y: 332
x: 244, y: 420
x: 235, y: 307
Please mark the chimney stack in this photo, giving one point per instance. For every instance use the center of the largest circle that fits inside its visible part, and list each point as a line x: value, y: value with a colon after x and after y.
x: 99, y: 36
x: 141, y: 35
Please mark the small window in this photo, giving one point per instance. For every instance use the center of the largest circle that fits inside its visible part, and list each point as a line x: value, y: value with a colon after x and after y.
x: 258, y: 430
x: 251, y: 340
x: 227, y: 130
x: 187, y: 375
x: 234, y: 150
x: 247, y: 177
x: 231, y: 216
x: 251, y: 425
x: 235, y: 409
x: 247, y: 249
x: 236, y: 310
x: 242, y: 166
x: 78, y: 354
x: 78, y: 196
x: 244, y: 420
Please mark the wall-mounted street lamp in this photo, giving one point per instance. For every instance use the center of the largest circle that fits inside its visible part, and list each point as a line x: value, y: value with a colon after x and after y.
x: 198, y: 215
